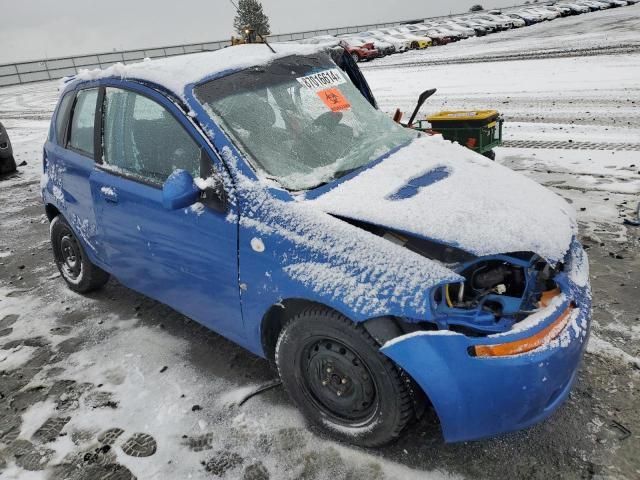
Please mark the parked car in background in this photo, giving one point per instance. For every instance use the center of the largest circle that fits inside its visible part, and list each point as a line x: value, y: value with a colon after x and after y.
x: 400, y: 44
x: 502, y: 23
x: 546, y: 14
x: 479, y: 29
x: 453, y: 34
x: 319, y: 39
x: 418, y: 39
x: 457, y: 27
x: 616, y: 3
x: 575, y: 8
x: 563, y: 11
x: 359, y: 51
x: 442, y: 36
x: 383, y: 47
x: 528, y: 18
x: 497, y: 26
x: 7, y: 162
x: 515, y: 22
x: 593, y: 5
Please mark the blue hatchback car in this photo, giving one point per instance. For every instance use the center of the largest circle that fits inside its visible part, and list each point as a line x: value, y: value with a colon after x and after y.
x: 382, y: 270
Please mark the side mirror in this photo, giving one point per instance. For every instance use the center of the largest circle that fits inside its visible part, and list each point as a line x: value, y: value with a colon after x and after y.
x: 179, y: 191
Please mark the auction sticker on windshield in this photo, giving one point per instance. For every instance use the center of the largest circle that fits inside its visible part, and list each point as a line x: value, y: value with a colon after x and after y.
x: 334, y: 99
x: 321, y: 80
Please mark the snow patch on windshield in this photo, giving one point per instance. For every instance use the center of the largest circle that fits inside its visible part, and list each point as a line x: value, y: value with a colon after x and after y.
x: 481, y: 206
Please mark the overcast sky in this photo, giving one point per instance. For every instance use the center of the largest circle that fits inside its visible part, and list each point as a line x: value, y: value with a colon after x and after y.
x: 37, y: 29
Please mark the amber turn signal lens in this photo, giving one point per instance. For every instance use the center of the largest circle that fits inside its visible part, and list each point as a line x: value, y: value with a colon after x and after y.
x: 526, y: 344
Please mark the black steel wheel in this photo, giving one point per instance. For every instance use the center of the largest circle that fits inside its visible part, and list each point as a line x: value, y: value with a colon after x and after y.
x: 75, y: 267
x: 338, y: 380
x: 333, y: 370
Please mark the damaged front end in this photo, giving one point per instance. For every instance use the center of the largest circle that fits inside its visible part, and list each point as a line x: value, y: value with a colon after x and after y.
x: 502, y: 348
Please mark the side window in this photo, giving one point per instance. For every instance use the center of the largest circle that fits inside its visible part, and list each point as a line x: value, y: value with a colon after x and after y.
x: 62, y: 118
x: 84, y: 113
x: 142, y: 138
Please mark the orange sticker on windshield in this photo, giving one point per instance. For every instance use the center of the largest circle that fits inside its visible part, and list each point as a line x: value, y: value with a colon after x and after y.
x: 334, y: 99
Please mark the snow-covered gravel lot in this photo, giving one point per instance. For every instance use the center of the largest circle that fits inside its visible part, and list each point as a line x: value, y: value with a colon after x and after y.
x: 115, y: 385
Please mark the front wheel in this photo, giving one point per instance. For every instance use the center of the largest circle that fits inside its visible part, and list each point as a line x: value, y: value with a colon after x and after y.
x: 355, y: 57
x: 75, y: 267
x: 333, y: 370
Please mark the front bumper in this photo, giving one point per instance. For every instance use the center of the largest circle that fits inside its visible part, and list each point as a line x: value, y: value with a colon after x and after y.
x: 477, y: 397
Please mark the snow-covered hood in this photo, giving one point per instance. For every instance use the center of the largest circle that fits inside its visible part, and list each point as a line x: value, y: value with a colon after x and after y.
x: 441, y: 191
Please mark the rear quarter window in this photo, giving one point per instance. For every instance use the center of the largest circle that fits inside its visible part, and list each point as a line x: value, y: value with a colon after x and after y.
x: 62, y: 118
x: 84, y: 114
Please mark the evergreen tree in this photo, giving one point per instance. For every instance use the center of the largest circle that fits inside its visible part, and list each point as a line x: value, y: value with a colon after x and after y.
x: 250, y: 16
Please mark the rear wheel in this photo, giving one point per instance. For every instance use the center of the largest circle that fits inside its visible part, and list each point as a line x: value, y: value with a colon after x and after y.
x: 332, y: 369
x: 491, y: 154
x: 7, y: 165
x: 75, y: 267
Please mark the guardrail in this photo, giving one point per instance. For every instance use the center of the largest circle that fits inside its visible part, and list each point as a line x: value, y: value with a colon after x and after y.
x: 55, y: 68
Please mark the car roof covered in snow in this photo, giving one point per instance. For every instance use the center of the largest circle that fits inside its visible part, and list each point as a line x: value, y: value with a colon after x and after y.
x: 176, y: 73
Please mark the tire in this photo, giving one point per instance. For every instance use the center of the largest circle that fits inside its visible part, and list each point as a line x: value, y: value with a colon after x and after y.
x: 355, y: 57
x: 81, y: 275
x: 491, y: 155
x: 7, y: 165
x: 333, y: 371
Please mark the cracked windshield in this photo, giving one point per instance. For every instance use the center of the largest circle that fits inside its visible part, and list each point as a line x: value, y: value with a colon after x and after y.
x: 301, y: 120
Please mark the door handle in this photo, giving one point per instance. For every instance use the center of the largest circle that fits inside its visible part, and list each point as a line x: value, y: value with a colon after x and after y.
x: 109, y: 194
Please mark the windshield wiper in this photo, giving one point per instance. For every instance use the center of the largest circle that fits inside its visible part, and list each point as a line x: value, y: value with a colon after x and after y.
x: 345, y: 172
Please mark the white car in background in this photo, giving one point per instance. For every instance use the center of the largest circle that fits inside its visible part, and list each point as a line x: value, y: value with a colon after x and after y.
x: 575, y: 8
x: 593, y: 6
x: 469, y: 32
x: 415, y: 41
x: 401, y: 45
x: 502, y: 23
x: 319, y: 39
x: 515, y: 22
x: 479, y: 29
x: 490, y: 26
x: 423, y: 40
x: 527, y: 17
x: 546, y: 14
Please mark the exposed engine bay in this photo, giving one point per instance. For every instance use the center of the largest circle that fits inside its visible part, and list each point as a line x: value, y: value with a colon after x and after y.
x: 498, y: 290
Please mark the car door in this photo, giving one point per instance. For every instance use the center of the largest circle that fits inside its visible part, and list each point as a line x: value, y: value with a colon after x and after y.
x: 70, y: 161
x: 185, y: 258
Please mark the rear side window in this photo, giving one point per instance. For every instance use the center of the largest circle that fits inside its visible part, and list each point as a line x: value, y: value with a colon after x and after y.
x: 141, y: 137
x: 62, y: 118
x: 84, y: 111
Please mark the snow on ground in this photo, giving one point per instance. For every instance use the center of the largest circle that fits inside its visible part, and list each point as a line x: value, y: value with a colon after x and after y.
x: 98, y: 362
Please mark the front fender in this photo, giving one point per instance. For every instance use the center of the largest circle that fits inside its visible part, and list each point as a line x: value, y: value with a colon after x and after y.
x: 476, y: 397
x: 290, y: 249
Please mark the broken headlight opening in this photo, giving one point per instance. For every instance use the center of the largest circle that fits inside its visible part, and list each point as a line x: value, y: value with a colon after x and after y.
x: 497, y: 293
